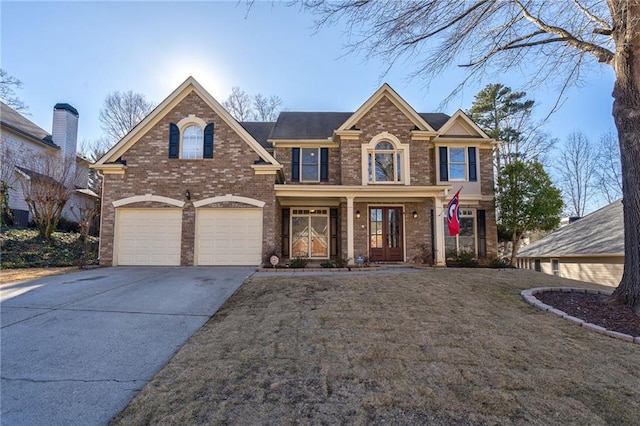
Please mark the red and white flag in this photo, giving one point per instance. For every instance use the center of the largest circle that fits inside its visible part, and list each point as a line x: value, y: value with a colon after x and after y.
x: 453, y: 215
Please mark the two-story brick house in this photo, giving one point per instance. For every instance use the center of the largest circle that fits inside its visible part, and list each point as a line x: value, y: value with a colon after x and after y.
x: 192, y: 186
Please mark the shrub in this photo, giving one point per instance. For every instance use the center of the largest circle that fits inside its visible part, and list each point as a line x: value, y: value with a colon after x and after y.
x: 299, y: 262
x: 341, y: 262
x: 66, y: 225
x: 425, y: 256
x: 499, y: 262
x: 463, y: 259
x: 327, y: 265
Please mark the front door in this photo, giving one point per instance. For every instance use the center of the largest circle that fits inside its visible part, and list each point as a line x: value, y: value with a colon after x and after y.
x: 385, y: 234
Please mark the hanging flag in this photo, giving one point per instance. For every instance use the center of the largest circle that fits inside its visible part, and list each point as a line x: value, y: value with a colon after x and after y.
x: 453, y: 215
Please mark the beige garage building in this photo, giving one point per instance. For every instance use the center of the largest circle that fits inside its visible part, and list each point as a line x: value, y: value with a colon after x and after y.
x: 589, y: 249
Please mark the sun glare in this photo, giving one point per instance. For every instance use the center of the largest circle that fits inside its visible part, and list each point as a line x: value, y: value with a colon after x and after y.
x: 209, y: 76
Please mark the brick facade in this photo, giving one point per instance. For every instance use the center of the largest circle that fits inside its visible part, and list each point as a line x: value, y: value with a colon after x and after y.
x: 149, y: 170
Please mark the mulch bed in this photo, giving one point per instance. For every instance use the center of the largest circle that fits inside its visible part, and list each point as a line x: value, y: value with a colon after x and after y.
x: 595, y: 309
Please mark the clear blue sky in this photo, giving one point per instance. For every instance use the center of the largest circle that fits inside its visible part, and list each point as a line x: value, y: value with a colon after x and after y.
x: 78, y: 52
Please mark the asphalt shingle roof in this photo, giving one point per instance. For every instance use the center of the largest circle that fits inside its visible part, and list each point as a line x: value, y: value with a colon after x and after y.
x: 260, y: 131
x: 13, y: 120
x: 599, y: 233
x: 320, y: 125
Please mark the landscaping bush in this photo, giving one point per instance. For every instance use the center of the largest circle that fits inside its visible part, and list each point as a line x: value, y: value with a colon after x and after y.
x: 299, y: 262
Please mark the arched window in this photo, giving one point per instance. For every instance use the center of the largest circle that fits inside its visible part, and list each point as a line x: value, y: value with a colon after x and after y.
x: 385, y: 163
x: 191, y: 138
x: 192, y: 142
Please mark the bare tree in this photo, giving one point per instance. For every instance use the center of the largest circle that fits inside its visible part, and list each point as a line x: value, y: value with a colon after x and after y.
x: 48, y: 182
x: 8, y: 85
x: 545, y: 40
x: 85, y: 212
x: 121, y: 112
x: 93, y: 149
x: 608, y: 171
x: 266, y: 109
x: 7, y: 176
x: 244, y: 107
x: 576, y: 169
x: 239, y: 104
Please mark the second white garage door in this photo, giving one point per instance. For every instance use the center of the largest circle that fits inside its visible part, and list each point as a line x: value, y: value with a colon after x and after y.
x: 149, y: 236
x: 226, y: 236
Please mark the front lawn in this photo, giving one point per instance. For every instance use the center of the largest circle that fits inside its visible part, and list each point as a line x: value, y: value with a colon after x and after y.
x: 22, y: 248
x: 446, y: 346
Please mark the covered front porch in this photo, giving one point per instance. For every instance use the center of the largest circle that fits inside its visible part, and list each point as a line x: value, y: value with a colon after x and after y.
x: 379, y: 224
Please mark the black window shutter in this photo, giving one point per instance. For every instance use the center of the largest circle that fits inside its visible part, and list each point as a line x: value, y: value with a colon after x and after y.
x: 174, y: 141
x: 285, y: 232
x: 295, y: 165
x: 444, y: 164
x: 324, y: 164
x: 207, y: 149
x: 333, y: 232
x: 473, y: 174
x: 482, y: 234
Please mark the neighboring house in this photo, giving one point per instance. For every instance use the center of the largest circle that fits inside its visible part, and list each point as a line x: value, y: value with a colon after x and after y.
x: 589, y: 249
x: 190, y: 185
x: 23, y: 141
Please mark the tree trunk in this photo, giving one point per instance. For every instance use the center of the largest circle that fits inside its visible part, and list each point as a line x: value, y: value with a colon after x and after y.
x: 515, y: 240
x: 626, y: 113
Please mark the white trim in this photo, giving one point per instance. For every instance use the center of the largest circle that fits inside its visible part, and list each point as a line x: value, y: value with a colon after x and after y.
x: 386, y: 91
x: 229, y: 198
x: 459, y: 114
x: 148, y: 197
x: 404, y: 150
x: 188, y: 86
x: 191, y: 119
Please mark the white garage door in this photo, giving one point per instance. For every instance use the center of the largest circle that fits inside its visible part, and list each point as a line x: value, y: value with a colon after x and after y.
x: 149, y: 236
x: 226, y: 236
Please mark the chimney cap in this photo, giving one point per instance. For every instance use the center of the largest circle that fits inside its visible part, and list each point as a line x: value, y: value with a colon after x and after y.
x: 67, y: 107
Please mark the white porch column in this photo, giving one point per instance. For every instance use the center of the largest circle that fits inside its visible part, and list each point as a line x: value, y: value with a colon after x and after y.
x: 439, y: 233
x: 350, y: 251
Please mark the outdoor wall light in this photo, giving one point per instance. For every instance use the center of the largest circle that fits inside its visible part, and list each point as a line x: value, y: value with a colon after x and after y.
x: 358, y: 214
x: 187, y: 194
x: 415, y: 214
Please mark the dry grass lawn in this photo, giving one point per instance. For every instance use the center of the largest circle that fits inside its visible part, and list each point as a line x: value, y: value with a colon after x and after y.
x: 452, y: 347
x: 9, y: 276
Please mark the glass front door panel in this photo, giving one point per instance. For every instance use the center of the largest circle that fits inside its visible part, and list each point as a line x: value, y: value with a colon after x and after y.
x: 375, y: 229
x: 300, y: 237
x: 319, y: 237
x: 385, y: 234
x: 310, y: 233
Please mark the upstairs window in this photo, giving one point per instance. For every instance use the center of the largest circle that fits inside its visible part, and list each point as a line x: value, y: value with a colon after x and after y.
x: 310, y: 164
x: 191, y: 140
x: 384, y: 163
x: 458, y: 164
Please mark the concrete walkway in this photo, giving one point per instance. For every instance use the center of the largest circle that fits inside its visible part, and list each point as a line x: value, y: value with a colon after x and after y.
x: 76, y: 348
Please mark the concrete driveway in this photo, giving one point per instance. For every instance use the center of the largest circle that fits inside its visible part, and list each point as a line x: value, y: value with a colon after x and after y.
x: 76, y: 348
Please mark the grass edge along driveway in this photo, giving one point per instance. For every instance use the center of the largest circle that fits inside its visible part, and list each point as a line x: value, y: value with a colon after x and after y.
x: 429, y: 347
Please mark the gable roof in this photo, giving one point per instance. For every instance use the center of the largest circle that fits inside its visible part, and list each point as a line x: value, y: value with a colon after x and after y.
x: 13, y: 120
x: 188, y: 86
x: 386, y: 91
x: 599, y: 233
x: 460, y: 116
